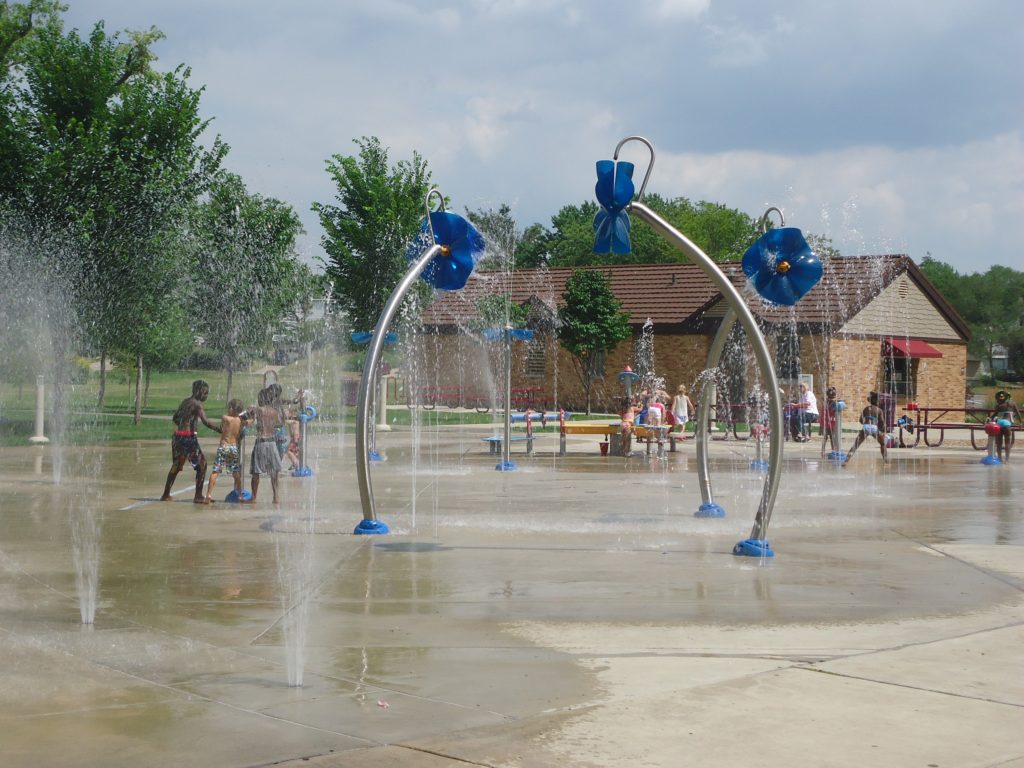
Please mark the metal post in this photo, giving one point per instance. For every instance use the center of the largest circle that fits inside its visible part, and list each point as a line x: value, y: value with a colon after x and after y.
x: 764, y: 361
x: 506, y: 464
x: 708, y: 507
x: 382, y: 403
x: 370, y: 524
x: 39, y: 438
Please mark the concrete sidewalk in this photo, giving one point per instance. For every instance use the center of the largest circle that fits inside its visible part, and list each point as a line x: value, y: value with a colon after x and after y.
x: 571, y: 613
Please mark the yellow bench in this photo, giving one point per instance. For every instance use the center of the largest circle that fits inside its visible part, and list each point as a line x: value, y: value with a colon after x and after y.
x: 585, y: 429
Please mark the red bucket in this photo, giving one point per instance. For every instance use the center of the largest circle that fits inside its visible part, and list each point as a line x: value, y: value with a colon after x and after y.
x: 604, y: 448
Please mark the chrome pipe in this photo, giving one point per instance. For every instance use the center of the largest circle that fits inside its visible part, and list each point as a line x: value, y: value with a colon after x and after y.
x: 367, y: 380
x: 704, y: 407
x: 757, y: 342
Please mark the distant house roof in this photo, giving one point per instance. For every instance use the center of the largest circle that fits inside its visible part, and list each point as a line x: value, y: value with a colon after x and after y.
x: 680, y: 295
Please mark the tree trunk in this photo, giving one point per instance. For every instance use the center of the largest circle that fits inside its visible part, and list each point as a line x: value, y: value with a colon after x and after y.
x: 138, y: 389
x: 145, y: 387
x: 103, y: 380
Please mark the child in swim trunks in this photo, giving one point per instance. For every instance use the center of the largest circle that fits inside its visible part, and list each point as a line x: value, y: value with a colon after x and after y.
x: 1004, y: 414
x: 227, y: 452
x: 870, y: 418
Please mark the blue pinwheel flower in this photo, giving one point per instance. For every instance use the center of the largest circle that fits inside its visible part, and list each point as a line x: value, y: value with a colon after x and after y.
x: 461, y: 248
x: 782, y: 266
x: 614, y: 192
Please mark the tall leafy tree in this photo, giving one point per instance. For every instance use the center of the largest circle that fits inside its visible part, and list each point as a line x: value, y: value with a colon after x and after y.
x: 377, y: 212
x: 106, y: 150
x: 246, y: 277
x: 592, y: 323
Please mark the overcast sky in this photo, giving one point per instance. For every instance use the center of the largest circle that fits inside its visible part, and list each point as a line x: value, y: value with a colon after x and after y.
x: 891, y: 126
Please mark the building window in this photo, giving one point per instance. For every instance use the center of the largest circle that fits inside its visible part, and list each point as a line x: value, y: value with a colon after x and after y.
x: 535, y: 358
x: 899, y: 376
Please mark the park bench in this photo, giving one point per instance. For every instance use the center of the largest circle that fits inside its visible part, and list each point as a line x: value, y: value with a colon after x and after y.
x: 494, y: 442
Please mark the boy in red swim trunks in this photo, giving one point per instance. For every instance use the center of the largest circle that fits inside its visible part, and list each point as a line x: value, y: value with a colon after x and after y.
x: 185, y: 442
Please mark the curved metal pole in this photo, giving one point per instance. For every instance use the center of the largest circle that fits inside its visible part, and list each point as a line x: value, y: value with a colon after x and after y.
x: 704, y: 407
x: 366, y: 380
x: 650, y: 167
x: 760, y: 347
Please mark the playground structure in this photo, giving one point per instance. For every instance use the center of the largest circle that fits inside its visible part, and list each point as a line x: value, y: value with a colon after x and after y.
x: 780, y: 265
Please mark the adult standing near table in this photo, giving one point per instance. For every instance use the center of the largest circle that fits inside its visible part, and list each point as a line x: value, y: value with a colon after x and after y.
x: 805, y: 411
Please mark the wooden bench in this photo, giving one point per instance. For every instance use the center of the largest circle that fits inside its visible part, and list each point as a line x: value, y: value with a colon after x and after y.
x: 494, y: 443
x: 585, y: 429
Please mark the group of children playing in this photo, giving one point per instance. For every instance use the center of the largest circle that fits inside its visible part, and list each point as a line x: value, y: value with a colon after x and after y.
x: 652, y: 408
x: 277, y: 435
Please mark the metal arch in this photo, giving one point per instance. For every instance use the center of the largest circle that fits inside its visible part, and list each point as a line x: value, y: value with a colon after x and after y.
x: 763, y: 222
x: 373, y: 355
x: 760, y: 348
x: 704, y: 407
x: 647, y: 176
x: 434, y: 192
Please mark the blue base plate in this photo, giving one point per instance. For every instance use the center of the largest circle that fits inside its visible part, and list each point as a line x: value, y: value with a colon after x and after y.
x: 991, y: 460
x: 371, y: 528
x: 302, y: 472
x: 759, y: 466
x: 375, y: 456
x: 232, y: 498
x: 837, y: 456
x: 753, y: 548
x: 709, y: 509
x: 506, y: 466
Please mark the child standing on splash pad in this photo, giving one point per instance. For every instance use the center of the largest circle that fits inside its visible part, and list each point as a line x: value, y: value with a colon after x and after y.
x: 231, y: 424
x: 626, y: 416
x: 870, y: 418
x: 830, y: 422
x: 185, y: 442
x: 265, y: 458
x: 1003, y: 415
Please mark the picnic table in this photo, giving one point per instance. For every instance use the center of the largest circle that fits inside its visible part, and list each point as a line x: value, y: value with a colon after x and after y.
x: 940, y: 418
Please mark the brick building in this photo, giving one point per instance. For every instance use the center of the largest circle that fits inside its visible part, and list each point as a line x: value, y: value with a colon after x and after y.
x: 872, y: 323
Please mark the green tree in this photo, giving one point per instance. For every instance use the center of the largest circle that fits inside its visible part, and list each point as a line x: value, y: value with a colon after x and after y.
x: 721, y: 232
x: 245, y: 274
x: 105, y: 149
x: 377, y: 213
x: 992, y: 303
x: 592, y: 323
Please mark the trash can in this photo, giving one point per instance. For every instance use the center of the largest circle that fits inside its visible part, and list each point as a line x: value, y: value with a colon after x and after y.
x: 614, y: 444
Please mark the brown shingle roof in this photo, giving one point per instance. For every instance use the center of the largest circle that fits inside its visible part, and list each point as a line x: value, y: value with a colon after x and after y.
x: 680, y: 294
x: 669, y: 294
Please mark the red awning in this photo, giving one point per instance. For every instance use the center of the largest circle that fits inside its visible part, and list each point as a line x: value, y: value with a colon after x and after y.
x: 908, y: 348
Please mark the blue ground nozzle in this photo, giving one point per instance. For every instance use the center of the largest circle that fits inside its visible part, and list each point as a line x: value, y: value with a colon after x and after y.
x: 753, y: 548
x: 302, y: 472
x: 371, y: 528
x: 506, y: 466
x: 759, y: 465
x: 376, y: 456
x: 233, y: 496
x: 709, y: 509
x: 837, y: 456
x: 991, y: 460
